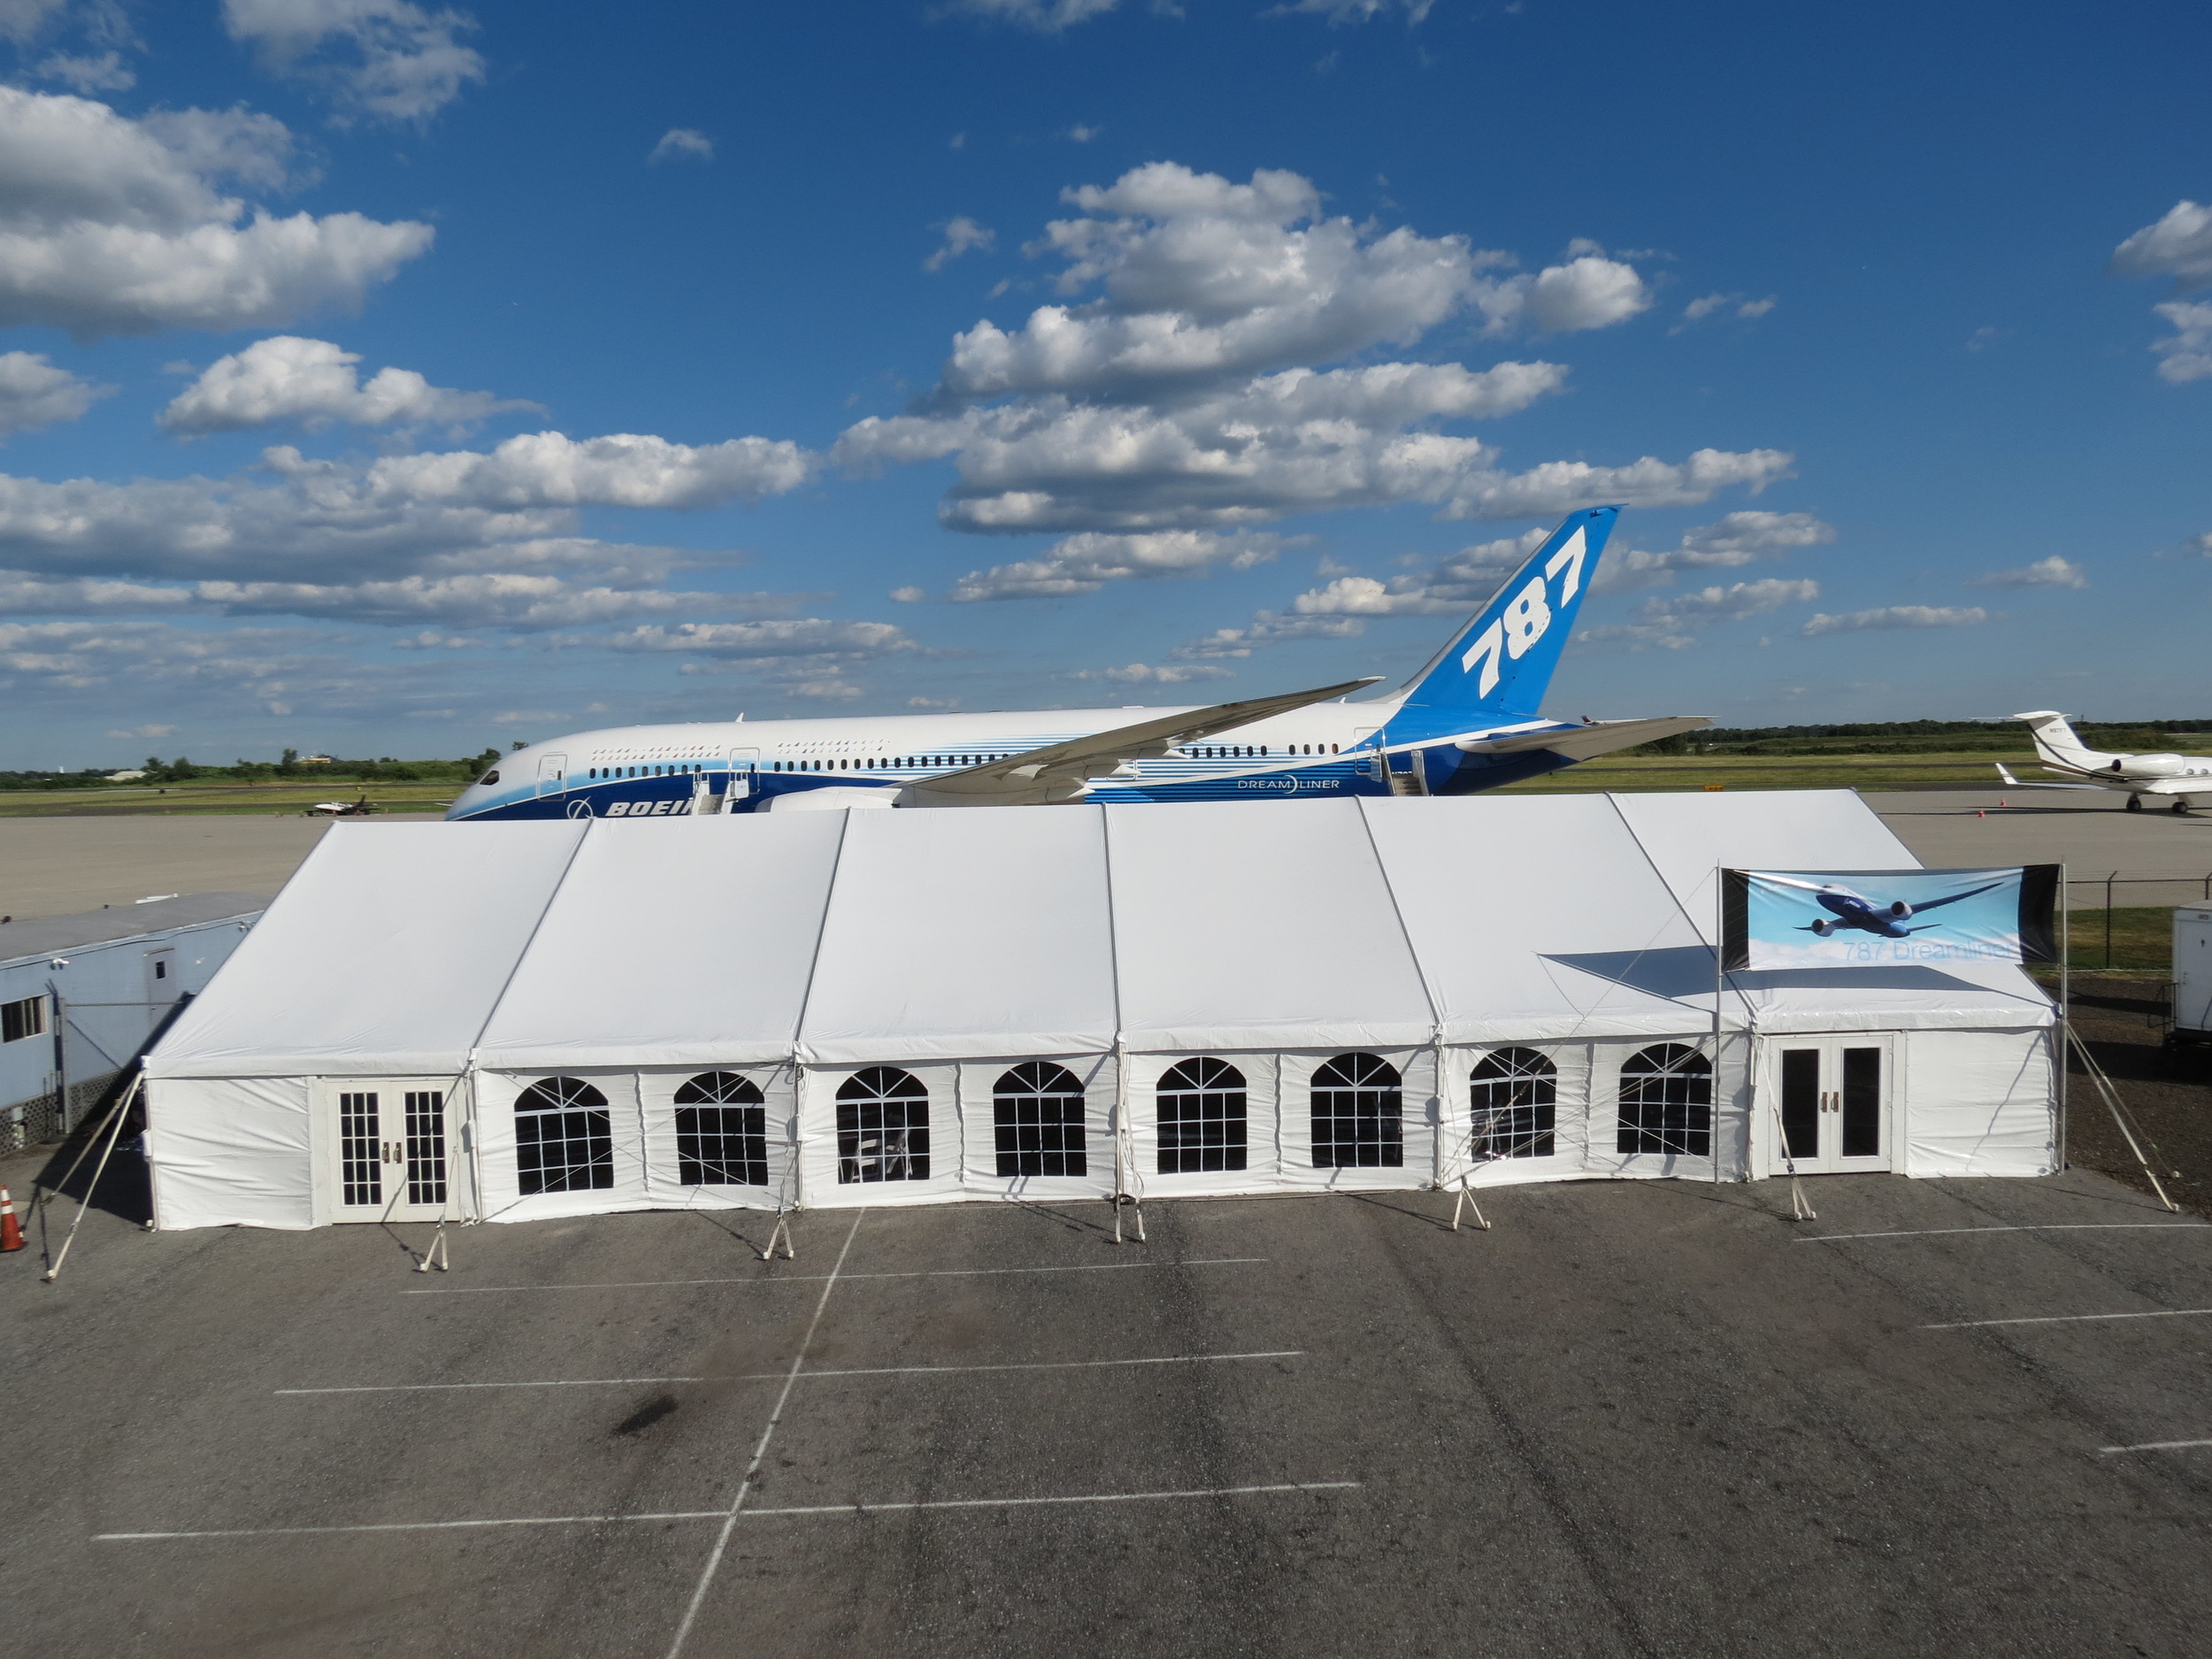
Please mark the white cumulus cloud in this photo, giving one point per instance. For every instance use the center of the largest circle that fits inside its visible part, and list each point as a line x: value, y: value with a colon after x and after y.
x: 795, y: 636
x: 1084, y: 563
x: 962, y: 234
x: 2178, y: 245
x: 2051, y: 572
x: 1147, y: 675
x: 1047, y: 17
x: 387, y: 59
x: 2187, y: 355
x: 1736, y: 538
x: 1670, y: 621
x: 110, y: 226
x: 1180, y: 384
x: 678, y: 142
x: 34, y: 393
x: 312, y: 381
x: 1896, y: 617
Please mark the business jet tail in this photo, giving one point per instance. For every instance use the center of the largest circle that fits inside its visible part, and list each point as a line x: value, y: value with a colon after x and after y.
x: 2055, y: 744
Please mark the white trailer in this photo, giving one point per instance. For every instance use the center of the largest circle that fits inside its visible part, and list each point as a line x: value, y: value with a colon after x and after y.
x: 2193, y: 975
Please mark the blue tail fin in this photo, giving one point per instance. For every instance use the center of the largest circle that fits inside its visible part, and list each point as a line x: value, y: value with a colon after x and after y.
x: 1500, y: 663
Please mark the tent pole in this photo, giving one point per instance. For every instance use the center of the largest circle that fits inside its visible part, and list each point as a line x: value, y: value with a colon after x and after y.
x: 786, y: 1193
x: 122, y: 1110
x: 1720, y: 944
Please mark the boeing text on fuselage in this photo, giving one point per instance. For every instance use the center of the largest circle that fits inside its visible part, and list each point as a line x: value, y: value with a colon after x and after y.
x: 1467, y: 721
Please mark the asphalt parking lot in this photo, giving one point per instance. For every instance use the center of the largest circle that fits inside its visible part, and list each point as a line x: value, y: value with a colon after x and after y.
x: 1634, y: 1418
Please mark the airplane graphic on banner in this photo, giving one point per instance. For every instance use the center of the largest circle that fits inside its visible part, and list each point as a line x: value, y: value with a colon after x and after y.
x: 1871, y: 919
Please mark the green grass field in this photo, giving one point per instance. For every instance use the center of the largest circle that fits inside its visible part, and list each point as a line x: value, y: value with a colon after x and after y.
x: 224, y: 798
x: 1630, y: 773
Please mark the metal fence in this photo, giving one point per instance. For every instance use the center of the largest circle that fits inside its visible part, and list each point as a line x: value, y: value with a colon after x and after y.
x: 2107, y: 893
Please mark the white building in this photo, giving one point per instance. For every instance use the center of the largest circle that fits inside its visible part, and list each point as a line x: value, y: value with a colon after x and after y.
x: 504, y: 1022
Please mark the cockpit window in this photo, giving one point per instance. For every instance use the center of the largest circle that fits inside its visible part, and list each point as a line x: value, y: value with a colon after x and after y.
x: 488, y: 779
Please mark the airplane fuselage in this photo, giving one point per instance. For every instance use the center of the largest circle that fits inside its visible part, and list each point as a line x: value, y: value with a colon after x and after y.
x: 1322, y: 751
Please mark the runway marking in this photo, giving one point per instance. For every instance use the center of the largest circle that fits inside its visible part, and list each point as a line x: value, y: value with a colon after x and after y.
x: 2055, y: 1227
x: 1094, y: 1497
x: 814, y: 1278
x: 760, y: 1451
x: 805, y: 1376
x: 855, y: 1509
x: 2075, y: 1318
x: 2158, y: 1445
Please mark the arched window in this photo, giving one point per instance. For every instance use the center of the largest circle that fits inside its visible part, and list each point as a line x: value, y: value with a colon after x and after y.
x: 721, y: 1132
x: 1514, y: 1094
x: 1037, y: 1114
x: 882, y: 1126
x: 1667, y: 1101
x: 1358, y: 1108
x: 564, y: 1137
x: 1201, y: 1116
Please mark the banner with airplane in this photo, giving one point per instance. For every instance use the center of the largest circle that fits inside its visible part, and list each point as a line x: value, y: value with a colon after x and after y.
x: 1864, y: 918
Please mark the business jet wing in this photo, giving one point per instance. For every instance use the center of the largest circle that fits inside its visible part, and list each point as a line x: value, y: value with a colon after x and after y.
x: 1058, y: 772
x: 2014, y: 783
x: 1583, y: 742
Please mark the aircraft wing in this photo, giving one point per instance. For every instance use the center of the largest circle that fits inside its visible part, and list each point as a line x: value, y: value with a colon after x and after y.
x: 1058, y: 772
x: 1953, y: 898
x: 1583, y: 742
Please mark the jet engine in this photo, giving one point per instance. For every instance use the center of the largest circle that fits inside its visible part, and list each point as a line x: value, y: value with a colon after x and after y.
x: 1901, y: 910
x: 1822, y: 927
x: 2151, y: 766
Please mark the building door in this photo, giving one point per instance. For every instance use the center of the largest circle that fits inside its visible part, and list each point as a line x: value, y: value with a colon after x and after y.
x: 391, y: 1152
x: 552, y: 774
x: 1832, y: 1098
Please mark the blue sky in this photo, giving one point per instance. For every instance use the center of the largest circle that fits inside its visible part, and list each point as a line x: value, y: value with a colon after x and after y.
x: 394, y: 380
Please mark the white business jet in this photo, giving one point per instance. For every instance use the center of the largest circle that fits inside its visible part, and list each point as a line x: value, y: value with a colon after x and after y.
x: 2173, y: 779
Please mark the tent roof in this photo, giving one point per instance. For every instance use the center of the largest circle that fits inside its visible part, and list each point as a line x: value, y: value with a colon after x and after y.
x: 868, y: 936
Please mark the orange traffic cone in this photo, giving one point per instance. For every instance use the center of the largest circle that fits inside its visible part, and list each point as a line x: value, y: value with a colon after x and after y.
x: 1981, y: 814
x: 10, y: 1234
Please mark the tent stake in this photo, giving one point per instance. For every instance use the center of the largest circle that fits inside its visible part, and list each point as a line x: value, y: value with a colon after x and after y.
x: 1466, y: 1200
x: 437, y: 1252
x: 114, y: 1134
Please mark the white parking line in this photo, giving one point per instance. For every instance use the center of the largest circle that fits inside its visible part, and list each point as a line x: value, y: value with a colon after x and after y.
x: 816, y: 1279
x: 417, y: 1526
x: 1095, y: 1497
x: 2075, y: 1318
x: 724, y: 1515
x: 2158, y: 1445
x: 805, y: 1376
x: 2055, y: 1227
x: 760, y: 1450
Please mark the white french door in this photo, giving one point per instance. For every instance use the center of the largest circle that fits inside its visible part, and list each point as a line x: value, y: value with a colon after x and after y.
x: 1831, y: 1102
x: 391, y: 1151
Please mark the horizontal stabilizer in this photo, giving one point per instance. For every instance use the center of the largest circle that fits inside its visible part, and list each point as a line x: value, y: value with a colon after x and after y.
x: 1582, y: 742
x: 2015, y: 783
x: 1061, y: 771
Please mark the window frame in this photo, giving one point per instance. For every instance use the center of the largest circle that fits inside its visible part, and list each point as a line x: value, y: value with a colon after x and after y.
x: 1350, y: 1074
x: 1077, y: 1160
x: 1660, y: 1134
x: 23, y: 1019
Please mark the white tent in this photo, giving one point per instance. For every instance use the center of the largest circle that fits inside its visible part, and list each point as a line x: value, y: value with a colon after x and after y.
x: 574, y: 1017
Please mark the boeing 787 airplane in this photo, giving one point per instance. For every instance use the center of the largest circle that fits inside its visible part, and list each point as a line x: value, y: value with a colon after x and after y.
x: 1467, y: 721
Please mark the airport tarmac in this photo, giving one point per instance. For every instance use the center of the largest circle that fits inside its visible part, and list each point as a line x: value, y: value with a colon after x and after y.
x: 56, y: 866
x: 1966, y: 1417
